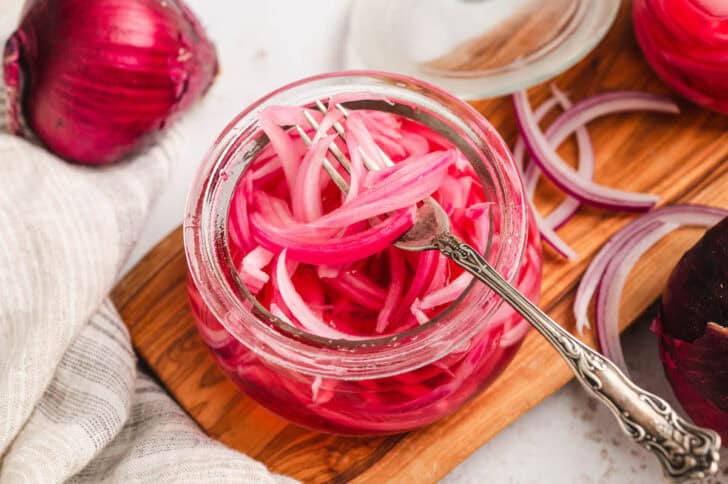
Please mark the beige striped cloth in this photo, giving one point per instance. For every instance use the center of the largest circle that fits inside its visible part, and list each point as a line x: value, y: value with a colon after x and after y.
x: 74, y: 407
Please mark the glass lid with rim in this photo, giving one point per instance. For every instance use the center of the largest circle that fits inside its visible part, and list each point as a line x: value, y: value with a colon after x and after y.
x: 476, y: 48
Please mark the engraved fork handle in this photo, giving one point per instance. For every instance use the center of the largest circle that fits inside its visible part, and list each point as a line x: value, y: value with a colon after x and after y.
x: 685, y: 451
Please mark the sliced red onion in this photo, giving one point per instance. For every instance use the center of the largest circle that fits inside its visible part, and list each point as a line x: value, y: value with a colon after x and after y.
x: 547, y: 227
x: 315, y: 387
x: 610, y: 267
x: 357, y: 129
x: 284, y: 116
x: 418, y: 313
x: 406, y: 184
x: 556, y: 134
x: 448, y: 293
x: 551, y: 237
x: 609, y: 294
x: 547, y: 231
x: 397, y: 274
x: 326, y: 271
x: 423, y: 273
x: 515, y: 333
x: 356, y: 170
x: 296, y: 305
x: 360, y: 289
x: 254, y: 261
x: 519, y: 148
x: 341, y: 250
x: 306, y: 195
x: 564, y: 176
x: 283, y: 145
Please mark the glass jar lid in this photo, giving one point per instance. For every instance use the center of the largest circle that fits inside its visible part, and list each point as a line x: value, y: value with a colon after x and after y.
x: 476, y: 48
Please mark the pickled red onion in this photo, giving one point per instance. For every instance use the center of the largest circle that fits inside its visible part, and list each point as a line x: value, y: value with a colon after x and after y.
x: 315, y: 250
x: 359, y: 289
x: 295, y: 303
x: 686, y: 44
x: 394, y: 293
x: 306, y: 199
x: 283, y: 146
x: 287, y: 209
x: 252, y: 268
x: 448, y: 293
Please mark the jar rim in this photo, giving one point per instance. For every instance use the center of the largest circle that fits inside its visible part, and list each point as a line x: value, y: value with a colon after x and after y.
x: 205, y: 238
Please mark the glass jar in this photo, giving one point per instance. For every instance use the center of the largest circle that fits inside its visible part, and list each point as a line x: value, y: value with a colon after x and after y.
x: 376, y: 386
x: 476, y: 48
x: 686, y: 44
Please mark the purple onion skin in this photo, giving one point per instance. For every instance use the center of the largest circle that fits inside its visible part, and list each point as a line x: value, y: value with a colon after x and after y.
x: 697, y: 290
x: 692, y: 332
x: 697, y: 374
x: 96, y: 79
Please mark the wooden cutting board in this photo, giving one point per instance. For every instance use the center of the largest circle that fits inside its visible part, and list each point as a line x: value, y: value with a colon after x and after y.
x: 682, y: 158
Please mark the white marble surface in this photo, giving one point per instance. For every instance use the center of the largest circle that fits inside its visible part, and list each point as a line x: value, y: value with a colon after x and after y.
x: 263, y: 44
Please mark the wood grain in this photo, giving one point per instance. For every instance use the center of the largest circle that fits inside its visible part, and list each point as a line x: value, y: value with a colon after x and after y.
x: 683, y: 159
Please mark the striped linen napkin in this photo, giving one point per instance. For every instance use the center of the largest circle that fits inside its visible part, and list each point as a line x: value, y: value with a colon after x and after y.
x: 74, y: 406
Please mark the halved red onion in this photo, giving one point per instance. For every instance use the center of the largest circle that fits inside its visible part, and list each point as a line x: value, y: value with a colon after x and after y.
x: 564, y: 176
x: 609, y: 269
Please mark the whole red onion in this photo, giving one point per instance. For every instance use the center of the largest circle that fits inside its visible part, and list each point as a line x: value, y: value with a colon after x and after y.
x: 94, y: 79
x: 686, y: 43
x: 693, y: 333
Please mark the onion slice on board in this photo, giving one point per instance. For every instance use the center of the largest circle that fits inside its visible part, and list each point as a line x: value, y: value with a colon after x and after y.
x: 548, y: 233
x: 564, y: 176
x: 559, y: 131
x: 608, y: 271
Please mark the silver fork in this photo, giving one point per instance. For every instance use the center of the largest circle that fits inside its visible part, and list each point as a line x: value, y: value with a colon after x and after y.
x: 685, y: 451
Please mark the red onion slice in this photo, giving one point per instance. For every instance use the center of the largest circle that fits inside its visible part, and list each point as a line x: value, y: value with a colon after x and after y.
x: 397, y: 275
x: 519, y: 148
x: 611, y: 266
x: 556, y: 134
x: 564, y: 176
x: 519, y: 151
x: 609, y: 294
x: 551, y: 237
x: 309, y: 320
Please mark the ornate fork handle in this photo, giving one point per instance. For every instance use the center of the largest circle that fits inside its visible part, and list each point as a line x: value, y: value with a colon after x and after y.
x: 685, y: 451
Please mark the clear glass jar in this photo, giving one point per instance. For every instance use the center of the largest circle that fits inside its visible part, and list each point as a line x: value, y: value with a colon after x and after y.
x: 377, y: 386
x: 476, y: 48
x: 686, y: 44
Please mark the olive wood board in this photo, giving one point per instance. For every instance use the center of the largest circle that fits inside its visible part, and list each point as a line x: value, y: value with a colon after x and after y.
x: 681, y: 158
